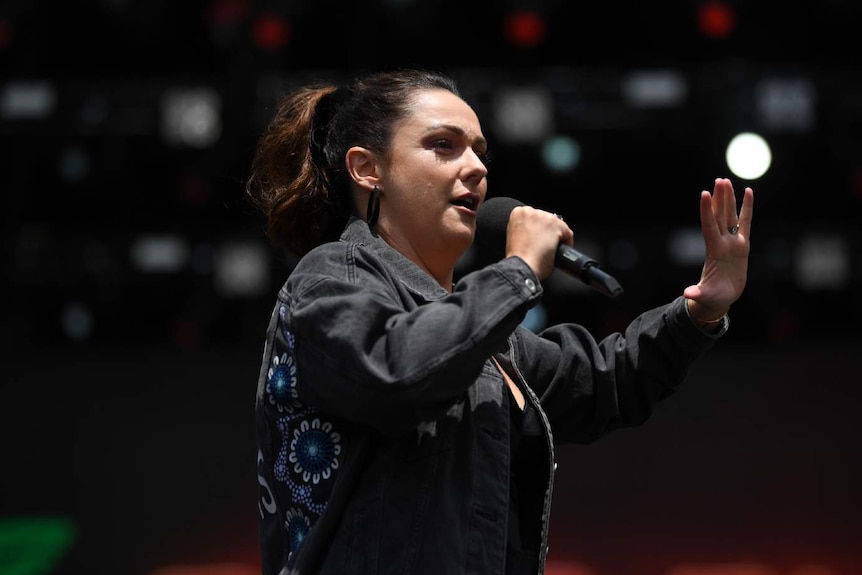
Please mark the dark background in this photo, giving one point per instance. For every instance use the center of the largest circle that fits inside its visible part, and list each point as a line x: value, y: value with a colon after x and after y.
x: 140, y: 433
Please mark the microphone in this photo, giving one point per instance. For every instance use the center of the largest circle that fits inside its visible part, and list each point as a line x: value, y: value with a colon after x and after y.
x: 491, y: 221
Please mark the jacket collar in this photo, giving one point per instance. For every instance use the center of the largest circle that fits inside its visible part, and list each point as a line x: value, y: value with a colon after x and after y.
x: 411, y: 276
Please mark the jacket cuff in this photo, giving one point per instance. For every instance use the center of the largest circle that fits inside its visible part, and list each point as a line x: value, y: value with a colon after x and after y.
x: 522, y: 278
x: 713, y: 333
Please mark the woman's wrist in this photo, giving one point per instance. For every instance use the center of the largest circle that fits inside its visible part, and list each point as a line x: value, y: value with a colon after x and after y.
x: 705, y: 321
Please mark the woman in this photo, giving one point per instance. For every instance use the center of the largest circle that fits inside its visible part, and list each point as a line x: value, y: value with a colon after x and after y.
x: 406, y: 424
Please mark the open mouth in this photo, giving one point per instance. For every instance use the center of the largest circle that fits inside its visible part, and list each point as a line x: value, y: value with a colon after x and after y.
x: 468, y: 202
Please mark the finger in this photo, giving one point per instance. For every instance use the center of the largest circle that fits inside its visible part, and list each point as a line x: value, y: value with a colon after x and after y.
x: 730, y: 205
x: 719, y: 199
x: 747, y: 211
x: 567, y: 235
x: 708, y: 222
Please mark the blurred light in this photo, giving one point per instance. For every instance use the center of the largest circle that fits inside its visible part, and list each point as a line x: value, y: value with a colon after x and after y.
x: 32, y: 545
x: 536, y: 318
x: 155, y: 254
x: 748, y: 155
x: 623, y: 255
x: 716, y: 19
x: 655, y: 89
x: 185, y: 333
x: 685, y: 247
x: 561, y: 154
x: 206, y: 569
x: 856, y: 183
x: 812, y: 570
x: 728, y: 568
x: 194, y: 190
x: 27, y: 100
x: 191, y: 117
x: 77, y: 322
x: 779, y: 254
x: 97, y: 259
x: 224, y: 18
x: 558, y: 567
x: 6, y: 34
x: 525, y: 28
x: 783, y: 325
x: 560, y: 282
x: 786, y: 103
x: 94, y: 110
x: 822, y: 262
x: 74, y: 164
x: 202, y: 259
x: 242, y: 269
x: 523, y: 114
x: 271, y: 32
x: 227, y: 12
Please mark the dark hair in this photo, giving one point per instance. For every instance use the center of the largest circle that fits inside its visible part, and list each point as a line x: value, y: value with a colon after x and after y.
x: 298, y: 178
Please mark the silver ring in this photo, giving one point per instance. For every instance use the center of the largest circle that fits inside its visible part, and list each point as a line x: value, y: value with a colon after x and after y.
x: 733, y: 229
x: 559, y: 217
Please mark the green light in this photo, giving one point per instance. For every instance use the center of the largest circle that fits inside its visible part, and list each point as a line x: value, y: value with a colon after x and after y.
x: 33, y: 545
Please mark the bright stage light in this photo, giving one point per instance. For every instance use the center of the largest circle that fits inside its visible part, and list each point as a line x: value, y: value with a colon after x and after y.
x: 748, y: 155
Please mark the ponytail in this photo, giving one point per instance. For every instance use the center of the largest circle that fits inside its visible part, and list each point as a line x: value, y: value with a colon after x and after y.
x: 291, y: 181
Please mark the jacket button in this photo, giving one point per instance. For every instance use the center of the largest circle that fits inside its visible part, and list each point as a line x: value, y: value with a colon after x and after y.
x: 555, y: 466
x: 531, y: 285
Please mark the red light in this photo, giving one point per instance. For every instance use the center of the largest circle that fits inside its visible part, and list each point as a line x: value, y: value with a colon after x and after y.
x: 228, y: 12
x: 857, y: 184
x: 194, y: 190
x: 206, y: 569
x: 5, y: 34
x: 185, y: 334
x: 716, y: 19
x: 783, y: 326
x: 271, y: 32
x: 525, y: 28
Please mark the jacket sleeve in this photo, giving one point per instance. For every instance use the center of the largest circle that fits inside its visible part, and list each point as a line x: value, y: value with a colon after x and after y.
x: 589, y: 388
x: 366, y: 353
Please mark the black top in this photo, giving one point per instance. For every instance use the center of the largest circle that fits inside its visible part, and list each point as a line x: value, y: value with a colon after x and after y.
x: 526, y: 441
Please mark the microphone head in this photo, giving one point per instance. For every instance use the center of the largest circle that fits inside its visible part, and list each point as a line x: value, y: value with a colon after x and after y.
x: 491, y: 222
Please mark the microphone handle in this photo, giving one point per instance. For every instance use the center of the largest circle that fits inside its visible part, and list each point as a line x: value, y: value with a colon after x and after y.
x: 587, y: 270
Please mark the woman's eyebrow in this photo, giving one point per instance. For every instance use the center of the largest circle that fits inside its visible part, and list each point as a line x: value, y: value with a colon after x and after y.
x: 458, y: 130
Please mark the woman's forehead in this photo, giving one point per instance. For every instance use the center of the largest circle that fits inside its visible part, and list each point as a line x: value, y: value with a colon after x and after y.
x: 441, y: 109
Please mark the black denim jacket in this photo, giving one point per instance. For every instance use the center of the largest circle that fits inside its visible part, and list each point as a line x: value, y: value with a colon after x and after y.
x: 383, y: 424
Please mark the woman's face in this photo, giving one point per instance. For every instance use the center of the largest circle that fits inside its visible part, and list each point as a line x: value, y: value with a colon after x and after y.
x: 433, y: 180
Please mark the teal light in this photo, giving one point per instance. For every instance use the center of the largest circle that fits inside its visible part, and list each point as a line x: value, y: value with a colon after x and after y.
x: 536, y: 319
x: 561, y: 154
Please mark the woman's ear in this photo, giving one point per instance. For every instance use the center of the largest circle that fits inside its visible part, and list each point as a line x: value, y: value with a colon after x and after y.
x: 362, y: 167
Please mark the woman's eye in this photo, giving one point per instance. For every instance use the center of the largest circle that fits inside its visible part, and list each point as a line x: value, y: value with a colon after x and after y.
x: 442, y: 145
x: 485, y: 157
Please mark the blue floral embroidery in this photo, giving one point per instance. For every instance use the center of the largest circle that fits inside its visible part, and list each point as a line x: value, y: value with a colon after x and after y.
x: 288, y: 336
x: 281, y: 383
x: 297, y: 526
x: 301, y: 492
x: 309, y: 449
x: 314, y: 450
